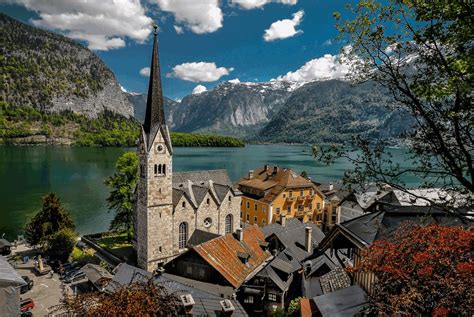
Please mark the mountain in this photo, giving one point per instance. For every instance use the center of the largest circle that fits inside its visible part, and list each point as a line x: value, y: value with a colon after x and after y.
x: 52, y: 73
x: 138, y: 102
x: 232, y: 108
x: 335, y: 111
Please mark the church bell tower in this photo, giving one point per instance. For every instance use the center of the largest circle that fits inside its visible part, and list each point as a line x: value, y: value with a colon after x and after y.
x: 154, y: 206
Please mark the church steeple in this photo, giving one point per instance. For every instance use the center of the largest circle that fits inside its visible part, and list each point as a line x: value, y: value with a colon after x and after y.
x: 155, y: 114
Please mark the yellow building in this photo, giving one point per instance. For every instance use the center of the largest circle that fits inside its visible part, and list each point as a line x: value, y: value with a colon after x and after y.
x: 270, y: 193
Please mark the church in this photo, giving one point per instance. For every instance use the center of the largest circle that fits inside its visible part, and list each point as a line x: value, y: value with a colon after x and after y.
x: 175, y: 211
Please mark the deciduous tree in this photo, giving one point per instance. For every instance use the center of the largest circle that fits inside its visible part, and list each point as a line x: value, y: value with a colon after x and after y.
x: 422, y: 270
x: 145, y: 298
x: 422, y: 53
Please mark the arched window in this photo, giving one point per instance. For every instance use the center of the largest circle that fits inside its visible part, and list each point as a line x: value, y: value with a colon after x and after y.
x: 159, y: 169
x: 164, y: 169
x: 183, y: 235
x: 156, y: 169
x: 228, y: 223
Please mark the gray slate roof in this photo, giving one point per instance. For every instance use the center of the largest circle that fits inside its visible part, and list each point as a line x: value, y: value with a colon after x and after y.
x: 4, y: 243
x: 345, y: 302
x: 8, y: 275
x: 199, y: 236
x: 292, y: 236
x: 372, y: 226
x: 207, y: 303
x: 195, y: 185
x: 217, y: 176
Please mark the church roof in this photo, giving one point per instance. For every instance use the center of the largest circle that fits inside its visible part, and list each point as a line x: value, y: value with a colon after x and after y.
x: 155, y: 114
x: 195, y: 185
x: 222, y: 254
x: 199, y: 177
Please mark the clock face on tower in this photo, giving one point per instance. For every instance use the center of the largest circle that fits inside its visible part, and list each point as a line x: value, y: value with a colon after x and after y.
x: 160, y: 148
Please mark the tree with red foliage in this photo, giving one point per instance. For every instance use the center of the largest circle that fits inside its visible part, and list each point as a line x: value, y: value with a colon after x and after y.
x: 422, y: 270
x: 142, y: 297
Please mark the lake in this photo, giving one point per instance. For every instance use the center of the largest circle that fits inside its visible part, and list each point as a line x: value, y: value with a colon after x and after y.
x: 77, y: 175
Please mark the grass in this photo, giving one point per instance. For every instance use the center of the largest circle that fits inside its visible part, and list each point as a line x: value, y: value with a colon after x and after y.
x: 85, y: 256
x: 117, y: 244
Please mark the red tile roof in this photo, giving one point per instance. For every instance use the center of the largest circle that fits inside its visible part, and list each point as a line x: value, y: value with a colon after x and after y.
x: 222, y: 254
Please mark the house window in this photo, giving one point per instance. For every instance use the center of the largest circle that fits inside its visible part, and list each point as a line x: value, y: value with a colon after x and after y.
x: 263, y: 222
x: 228, y: 223
x: 272, y: 297
x: 300, y: 207
x: 184, y: 204
x: 183, y: 234
x: 284, y: 195
x: 302, y: 192
x: 255, y: 207
x: 290, y: 193
x: 248, y: 300
x: 311, y: 206
x: 278, y: 210
x: 248, y: 204
x: 248, y: 217
x: 312, y: 192
x: 318, y: 206
x: 289, y: 208
x: 255, y: 219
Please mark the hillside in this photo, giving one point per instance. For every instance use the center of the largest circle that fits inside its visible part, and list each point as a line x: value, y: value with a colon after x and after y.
x: 237, y: 109
x: 52, y: 73
x: 138, y: 102
x: 335, y: 111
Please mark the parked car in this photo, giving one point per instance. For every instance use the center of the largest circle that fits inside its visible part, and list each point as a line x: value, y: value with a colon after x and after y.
x: 26, y: 305
x: 79, y: 275
x: 26, y: 314
x: 69, y: 273
x: 28, y: 286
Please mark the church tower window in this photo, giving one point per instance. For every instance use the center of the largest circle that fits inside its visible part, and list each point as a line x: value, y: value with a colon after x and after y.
x: 164, y: 169
x: 156, y: 169
x: 228, y: 223
x: 183, y: 235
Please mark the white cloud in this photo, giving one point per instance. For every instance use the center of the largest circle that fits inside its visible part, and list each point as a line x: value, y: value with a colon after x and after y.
x: 102, y: 24
x: 178, y: 29
x: 283, y: 29
x: 199, y: 71
x: 145, y: 71
x: 253, y: 4
x: 201, y: 16
x: 328, y: 42
x: 199, y: 89
x: 323, y: 68
x: 234, y: 81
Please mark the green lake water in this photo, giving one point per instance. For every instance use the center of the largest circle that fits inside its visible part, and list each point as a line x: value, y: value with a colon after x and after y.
x: 77, y: 175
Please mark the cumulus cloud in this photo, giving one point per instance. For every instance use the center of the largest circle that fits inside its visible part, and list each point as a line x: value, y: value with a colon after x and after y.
x: 200, y: 16
x: 234, y: 81
x: 199, y: 72
x: 253, y: 4
x: 199, y: 89
x: 323, y: 68
x: 283, y: 29
x: 103, y: 25
x: 145, y: 71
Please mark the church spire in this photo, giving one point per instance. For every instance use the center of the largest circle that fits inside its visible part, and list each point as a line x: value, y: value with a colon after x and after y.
x: 155, y: 114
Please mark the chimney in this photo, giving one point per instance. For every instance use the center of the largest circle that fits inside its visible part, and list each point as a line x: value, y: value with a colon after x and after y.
x: 331, y: 186
x: 275, y: 169
x: 250, y: 174
x: 239, y: 233
x: 283, y: 220
x: 265, y: 168
x: 308, y: 242
x: 188, y: 302
x: 227, y: 307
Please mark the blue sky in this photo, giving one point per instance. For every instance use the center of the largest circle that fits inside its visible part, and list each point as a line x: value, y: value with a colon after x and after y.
x: 228, y: 33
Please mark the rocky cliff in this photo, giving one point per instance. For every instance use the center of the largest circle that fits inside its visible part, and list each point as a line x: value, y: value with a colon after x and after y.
x: 53, y: 73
